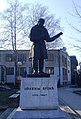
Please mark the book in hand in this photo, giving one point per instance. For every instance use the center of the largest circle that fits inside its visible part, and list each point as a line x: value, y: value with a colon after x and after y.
x: 60, y: 33
x: 56, y: 36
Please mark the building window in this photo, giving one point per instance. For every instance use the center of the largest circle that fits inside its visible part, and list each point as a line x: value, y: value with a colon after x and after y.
x: 50, y: 57
x: 65, y: 61
x: 10, y: 70
x: 68, y: 63
x: 2, y: 73
x: 64, y: 71
x: 62, y: 59
x: 49, y: 70
x: 22, y: 57
x: 9, y: 58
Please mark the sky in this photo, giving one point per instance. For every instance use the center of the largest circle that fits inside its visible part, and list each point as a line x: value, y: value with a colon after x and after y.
x: 61, y: 9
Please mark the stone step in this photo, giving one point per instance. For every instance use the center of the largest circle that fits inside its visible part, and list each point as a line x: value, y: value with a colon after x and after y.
x: 39, y: 114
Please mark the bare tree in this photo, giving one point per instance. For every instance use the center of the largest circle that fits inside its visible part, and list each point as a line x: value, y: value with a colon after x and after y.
x: 12, y: 27
x: 13, y: 24
x: 16, y: 22
x: 76, y: 27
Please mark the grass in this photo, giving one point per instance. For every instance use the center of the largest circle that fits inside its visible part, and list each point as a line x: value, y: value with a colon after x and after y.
x: 4, y: 97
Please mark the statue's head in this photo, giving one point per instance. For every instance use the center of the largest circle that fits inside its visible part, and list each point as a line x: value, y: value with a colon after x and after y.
x: 41, y: 22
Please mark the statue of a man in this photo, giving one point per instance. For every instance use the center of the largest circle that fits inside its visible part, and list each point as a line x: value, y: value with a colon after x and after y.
x: 38, y: 36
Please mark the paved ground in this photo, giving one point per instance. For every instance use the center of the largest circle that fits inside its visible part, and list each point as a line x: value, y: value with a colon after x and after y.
x: 67, y: 95
x: 70, y: 98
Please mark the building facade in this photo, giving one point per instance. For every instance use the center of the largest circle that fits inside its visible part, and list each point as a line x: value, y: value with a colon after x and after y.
x: 58, y: 64
x: 74, y: 64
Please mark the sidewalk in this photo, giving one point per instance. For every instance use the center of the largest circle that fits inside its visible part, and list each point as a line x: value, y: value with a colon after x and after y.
x: 70, y: 98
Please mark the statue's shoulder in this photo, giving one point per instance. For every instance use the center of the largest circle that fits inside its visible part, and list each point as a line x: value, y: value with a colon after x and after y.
x: 34, y: 27
x: 45, y: 30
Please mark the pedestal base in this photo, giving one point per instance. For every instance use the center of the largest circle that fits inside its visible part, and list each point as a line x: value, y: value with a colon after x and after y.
x: 39, y: 93
x: 39, y: 114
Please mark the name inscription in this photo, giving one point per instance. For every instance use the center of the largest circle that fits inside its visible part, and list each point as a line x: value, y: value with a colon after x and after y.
x: 39, y: 95
x: 38, y: 88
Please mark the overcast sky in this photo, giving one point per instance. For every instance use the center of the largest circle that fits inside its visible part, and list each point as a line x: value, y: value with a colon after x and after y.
x: 61, y: 9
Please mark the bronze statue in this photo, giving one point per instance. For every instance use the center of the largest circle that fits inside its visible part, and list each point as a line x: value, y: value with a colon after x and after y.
x: 38, y: 36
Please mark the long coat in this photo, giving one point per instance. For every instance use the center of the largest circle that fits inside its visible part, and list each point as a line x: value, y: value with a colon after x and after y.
x: 38, y: 36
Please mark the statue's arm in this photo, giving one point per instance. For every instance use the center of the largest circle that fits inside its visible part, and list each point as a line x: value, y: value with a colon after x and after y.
x: 54, y: 37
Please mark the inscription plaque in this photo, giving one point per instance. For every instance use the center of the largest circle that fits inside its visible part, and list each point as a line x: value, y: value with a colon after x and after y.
x: 39, y: 93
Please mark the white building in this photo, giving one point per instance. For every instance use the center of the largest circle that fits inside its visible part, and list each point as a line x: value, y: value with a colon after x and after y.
x: 58, y: 63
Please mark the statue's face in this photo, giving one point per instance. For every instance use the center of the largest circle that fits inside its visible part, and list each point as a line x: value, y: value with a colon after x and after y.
x: 41, y: 22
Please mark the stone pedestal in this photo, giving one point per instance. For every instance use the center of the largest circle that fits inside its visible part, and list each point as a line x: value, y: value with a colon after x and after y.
x: 38, y: 100
x: 39, y: 93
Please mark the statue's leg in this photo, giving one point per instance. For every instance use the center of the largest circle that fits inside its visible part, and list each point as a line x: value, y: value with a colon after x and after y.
x: 41, y: 65
x: 35, y: 65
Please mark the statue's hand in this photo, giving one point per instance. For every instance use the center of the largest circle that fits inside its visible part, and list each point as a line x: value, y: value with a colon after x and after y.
x: 60, y: 33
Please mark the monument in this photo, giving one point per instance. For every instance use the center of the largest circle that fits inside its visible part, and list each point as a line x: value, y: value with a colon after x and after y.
x: 38, y: 93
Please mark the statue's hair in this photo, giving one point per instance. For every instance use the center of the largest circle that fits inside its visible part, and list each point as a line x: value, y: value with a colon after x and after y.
x: 41, y: 20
